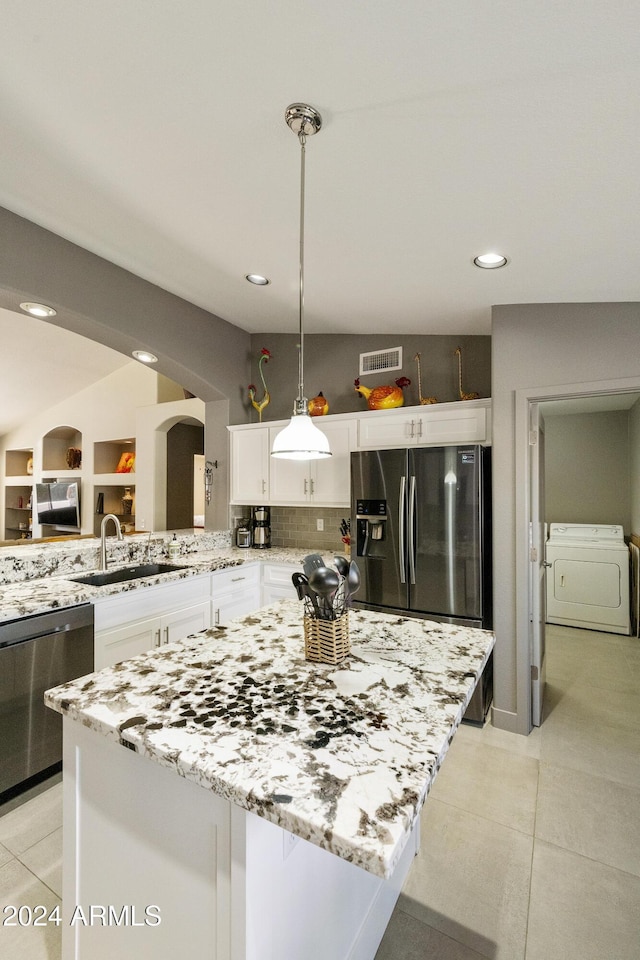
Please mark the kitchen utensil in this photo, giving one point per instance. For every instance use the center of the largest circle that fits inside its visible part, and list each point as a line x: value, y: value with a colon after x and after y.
x: 304, y: 591
x: 353, y: 582
x: 342, y: 566
x: 324, y: 581
x: 311, y: 562
x: 300, y: 582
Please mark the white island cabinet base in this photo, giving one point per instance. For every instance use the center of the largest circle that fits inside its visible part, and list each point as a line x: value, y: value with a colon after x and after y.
x: 141, y: 843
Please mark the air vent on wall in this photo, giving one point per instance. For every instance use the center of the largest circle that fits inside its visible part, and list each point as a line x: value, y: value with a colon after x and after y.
x: 379, y: 361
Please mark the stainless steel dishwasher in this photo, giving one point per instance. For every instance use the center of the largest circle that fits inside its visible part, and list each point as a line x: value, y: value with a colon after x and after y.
x: 37, y: 653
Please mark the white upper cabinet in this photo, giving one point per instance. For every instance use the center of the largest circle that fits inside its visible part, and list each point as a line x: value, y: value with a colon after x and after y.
x: 257, y: 477
x: 461, y: 422
x: 318, y: 482
x: 250, y: 461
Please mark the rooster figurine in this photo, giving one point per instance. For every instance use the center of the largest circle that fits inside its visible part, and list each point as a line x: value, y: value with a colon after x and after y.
x: 265, y: 356
x: 383, y: 398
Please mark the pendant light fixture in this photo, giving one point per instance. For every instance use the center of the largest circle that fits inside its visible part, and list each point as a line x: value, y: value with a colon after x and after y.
x: 301, y: 439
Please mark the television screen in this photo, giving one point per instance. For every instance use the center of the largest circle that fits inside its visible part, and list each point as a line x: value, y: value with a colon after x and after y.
x: 58, y: 504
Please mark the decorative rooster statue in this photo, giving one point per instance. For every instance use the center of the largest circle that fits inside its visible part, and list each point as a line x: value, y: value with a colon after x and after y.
x: 265, y: 356
x: 423, y: 400
x: 463, y: 395
x: 383, y: 398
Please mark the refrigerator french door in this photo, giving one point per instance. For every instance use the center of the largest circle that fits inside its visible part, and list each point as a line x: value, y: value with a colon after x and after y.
x: 423, y: 532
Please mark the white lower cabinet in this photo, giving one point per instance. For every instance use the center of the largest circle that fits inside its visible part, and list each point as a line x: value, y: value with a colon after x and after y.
x: 276, y: 582
x: 235, y: 592
x: 136, y: 621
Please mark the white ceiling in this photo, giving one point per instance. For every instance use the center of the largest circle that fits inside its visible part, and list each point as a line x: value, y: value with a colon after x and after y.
x: 152, y: 133
x: 41, y: 365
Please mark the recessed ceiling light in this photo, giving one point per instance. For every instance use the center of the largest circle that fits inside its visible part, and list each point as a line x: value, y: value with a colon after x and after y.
x: 144, y: 356
x: 490, y: 261
x: 38, y: 309
x: 258, y: 279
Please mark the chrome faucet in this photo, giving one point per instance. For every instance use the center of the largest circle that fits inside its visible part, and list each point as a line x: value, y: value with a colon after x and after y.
x: 103, y: 537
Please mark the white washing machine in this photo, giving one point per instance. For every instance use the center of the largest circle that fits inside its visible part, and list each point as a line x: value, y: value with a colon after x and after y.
x: 588, y: 577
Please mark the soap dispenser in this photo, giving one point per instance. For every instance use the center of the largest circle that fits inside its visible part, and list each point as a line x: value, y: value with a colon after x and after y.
x: 174, y: 549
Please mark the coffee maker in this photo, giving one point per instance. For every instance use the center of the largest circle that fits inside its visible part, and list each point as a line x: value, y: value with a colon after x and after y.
x: 261, y: 527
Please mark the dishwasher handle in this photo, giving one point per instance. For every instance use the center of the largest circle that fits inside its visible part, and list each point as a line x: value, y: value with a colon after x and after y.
x: 46, y: 625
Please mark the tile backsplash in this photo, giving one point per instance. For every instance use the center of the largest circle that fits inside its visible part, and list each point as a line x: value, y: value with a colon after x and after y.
x: 298, y: 527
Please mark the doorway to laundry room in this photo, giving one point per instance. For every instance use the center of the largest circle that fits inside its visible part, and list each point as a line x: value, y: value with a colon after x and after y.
x: 585, y: 509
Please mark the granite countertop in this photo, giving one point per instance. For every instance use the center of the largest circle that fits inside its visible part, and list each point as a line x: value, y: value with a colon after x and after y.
x: 340, y: 755
x: 56, y: 589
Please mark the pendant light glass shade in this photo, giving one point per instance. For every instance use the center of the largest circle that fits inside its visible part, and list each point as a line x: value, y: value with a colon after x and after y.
x: 301, y: 439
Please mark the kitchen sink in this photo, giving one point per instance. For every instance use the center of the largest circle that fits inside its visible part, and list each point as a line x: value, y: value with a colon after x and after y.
x: 138, y: 572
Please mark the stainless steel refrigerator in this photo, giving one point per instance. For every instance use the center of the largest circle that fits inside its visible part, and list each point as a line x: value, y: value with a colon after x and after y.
x: 421, y: 535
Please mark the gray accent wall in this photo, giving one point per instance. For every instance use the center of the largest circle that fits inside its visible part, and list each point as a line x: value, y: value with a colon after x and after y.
x: 96, y: 298
x: 331, y: 364
x: 541, y: 345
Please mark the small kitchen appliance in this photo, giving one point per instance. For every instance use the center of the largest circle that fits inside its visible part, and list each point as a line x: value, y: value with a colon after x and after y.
x: 261, y: 527
x: 243, y: 533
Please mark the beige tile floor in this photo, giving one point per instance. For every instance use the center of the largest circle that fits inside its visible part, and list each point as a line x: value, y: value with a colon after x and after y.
x: 530, y: 846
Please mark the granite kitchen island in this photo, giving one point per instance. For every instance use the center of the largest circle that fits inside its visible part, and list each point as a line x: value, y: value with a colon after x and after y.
x: 225, y: 796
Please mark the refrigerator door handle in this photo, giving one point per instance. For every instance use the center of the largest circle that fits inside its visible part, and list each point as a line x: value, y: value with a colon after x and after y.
x: 412, y: 529
x: 401, y: 530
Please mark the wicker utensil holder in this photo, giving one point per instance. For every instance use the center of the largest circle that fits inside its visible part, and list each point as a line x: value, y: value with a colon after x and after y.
x: 326, y: 641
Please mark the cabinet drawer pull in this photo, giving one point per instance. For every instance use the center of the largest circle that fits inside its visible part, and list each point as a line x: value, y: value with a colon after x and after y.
x: 235, y: 579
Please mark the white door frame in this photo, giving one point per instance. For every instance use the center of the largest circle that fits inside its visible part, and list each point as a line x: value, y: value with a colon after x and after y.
x: 522, y: 472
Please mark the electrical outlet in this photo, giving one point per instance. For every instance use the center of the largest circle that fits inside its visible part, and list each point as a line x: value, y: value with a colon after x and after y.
x: 289, y: 842
x: 319, y: 524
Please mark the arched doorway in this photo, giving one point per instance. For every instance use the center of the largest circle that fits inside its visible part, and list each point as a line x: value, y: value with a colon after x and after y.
x: 185, y: 441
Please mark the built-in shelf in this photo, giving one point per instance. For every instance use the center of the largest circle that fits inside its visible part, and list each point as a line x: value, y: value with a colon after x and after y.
x: 17, y: 464
x: 110, y: 456
x: 108, y: 499
x: 56, y: 446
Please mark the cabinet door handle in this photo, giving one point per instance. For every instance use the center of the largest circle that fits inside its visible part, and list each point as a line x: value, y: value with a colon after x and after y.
x: 313, y: 487
x: 413, y: 426
x: 419, y: 422
x: 306, y: 484
x: 158, y: 638
x: 216, y: 619
x: 264, y: 486
x: 166, y: 634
